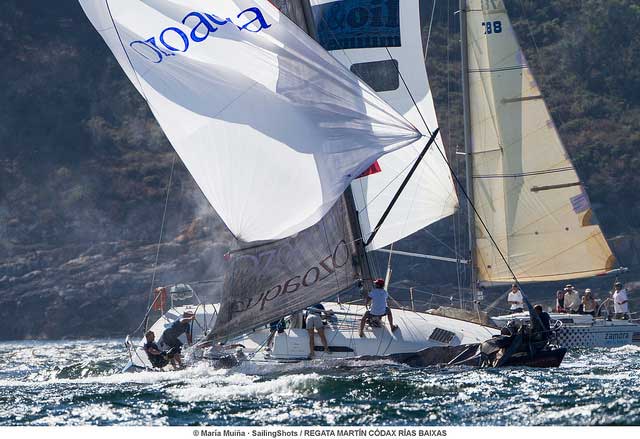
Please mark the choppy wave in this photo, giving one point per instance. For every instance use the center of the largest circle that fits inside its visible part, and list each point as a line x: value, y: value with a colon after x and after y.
x: 78, y: 383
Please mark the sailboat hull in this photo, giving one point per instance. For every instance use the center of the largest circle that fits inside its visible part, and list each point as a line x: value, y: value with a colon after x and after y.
x: 466, y: 355
x: 584, y: 331
x: 416, y: 332
x: 541, y: 359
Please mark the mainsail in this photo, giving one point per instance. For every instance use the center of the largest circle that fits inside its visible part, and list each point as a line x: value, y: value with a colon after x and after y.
x: 377, y: 40
x: 271, y: 127
x: 266, y: 282
x: 525, y: 187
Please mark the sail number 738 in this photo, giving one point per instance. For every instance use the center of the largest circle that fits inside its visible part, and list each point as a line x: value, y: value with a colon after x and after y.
x: 492, y: 27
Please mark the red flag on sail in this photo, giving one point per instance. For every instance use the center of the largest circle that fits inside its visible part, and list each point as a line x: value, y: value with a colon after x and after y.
x: 373, y: 169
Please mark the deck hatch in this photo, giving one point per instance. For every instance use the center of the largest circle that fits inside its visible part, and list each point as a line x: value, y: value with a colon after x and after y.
x: 442, y: 335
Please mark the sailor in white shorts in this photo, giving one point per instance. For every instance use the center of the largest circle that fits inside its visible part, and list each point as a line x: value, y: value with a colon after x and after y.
x: 314, y: 323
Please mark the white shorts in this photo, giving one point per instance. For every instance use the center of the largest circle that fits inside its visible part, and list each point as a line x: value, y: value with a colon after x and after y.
x: 314, y: 321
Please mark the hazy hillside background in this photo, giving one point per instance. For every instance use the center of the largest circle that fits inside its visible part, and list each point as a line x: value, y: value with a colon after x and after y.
x: 84, y: 167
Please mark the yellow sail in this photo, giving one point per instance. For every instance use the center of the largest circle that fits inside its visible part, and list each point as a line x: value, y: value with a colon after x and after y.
x: 525, y: 187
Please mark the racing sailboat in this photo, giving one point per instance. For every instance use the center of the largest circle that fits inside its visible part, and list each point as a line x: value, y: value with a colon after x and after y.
x: 530, y: 219
x: 275, y: 131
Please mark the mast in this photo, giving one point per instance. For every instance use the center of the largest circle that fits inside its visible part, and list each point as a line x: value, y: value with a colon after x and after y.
x: 464, y: 44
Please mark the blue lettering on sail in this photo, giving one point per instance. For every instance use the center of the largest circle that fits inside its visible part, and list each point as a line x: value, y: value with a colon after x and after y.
x: 201, y: 25
x: 358, y: 24
x: 580, y: 203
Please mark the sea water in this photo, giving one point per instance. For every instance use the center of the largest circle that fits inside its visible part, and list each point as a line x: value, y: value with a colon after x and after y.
x: 79, y: 383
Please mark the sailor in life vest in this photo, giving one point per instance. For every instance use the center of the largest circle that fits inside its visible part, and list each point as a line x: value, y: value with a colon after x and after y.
x: 379, y: 308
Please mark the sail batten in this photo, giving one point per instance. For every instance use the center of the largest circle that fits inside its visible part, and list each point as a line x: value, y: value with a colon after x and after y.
x: 525, y: 187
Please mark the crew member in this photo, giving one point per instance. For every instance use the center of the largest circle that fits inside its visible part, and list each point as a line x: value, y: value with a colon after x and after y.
x: 588, y: 303
x: 170, y: 336
x: 571, y: 299
x: 620, y: 302
x: 541, y: 333
x: 314, y: 323
x: 515, y: 300
x: 560, y: 301
x: 157, y: 358
x: 379, y: 307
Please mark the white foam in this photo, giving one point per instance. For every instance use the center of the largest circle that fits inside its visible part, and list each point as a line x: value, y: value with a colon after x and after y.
x: 238, y: 386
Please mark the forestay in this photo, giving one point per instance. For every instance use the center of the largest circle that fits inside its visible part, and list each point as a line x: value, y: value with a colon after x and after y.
x: 266, y: 282
x: 272, y: 128
x: 358, y: 33
x: 525, y: 187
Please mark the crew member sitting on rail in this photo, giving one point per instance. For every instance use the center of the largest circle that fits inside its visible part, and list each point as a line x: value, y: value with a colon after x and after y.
x: 314, y: 322
x: 620, y: 302
x: 170, y: 335
x: 515, y: 300
x: 588, y: 303
x: 379, y: 308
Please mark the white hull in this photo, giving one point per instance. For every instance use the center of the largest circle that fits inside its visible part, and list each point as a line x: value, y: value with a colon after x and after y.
x: 582, y: 330
x: 416, y: 331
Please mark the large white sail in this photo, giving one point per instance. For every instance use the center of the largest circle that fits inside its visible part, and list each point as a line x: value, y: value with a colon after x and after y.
x: 525, y: 187
x: 359, y: 33
x: 272, y: 128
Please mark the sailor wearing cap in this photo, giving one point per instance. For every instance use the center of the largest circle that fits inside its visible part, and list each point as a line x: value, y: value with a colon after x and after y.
x: 170, y: 336
x: 620, y: 302
x: 379, y: 308
x: 571, y: 299
x: 588, y: 303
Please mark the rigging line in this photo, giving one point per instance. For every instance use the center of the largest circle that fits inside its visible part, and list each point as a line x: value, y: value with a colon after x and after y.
x: 346, y: 55
x: 402, y: 186
x: 433, y: 13
x: 539, y: 57
x: 440, y: 241
x: 415, y: 103
x: 135, y: 72
x: 490, y: 235
x: 344, y: 52
x: 533, y: 39
x: 462, y: 188
x: 448, y: 165
x: 382, y: 191
x: 164, y: 216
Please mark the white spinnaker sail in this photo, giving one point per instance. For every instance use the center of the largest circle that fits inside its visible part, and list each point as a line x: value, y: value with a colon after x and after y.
x: 272, y: 128
x: 525, y: 187
x: 358, y: 33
